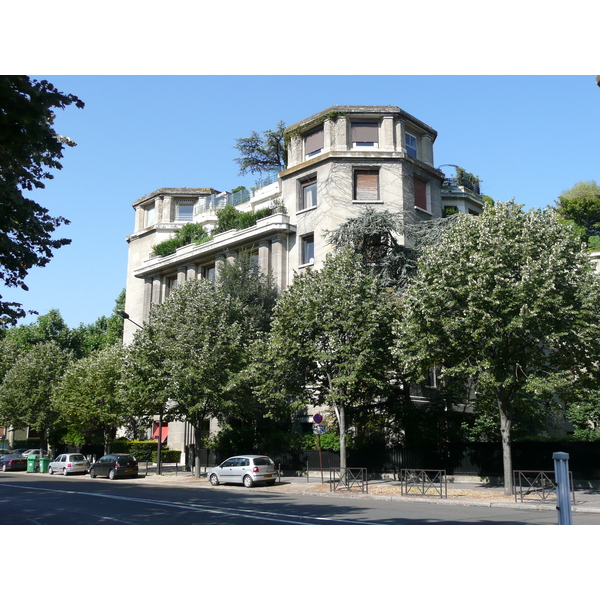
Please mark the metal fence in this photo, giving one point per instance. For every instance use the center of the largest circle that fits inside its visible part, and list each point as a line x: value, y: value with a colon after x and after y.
x: 424, y: 482
x: 349, y: 480
x: 537, y: 485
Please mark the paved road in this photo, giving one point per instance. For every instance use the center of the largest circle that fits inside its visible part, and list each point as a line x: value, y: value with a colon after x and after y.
x: 31, y: 499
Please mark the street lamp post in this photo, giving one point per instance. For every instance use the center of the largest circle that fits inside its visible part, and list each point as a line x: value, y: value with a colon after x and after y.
x: 125, y: 316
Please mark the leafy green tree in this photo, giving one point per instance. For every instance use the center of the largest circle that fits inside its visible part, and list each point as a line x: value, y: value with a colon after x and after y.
x: 262, y: 153
x: 580, y: 206
x: 27, y: 388
x: 88, y: 397
x: 330, y: 339
x: 104, y: 332
x: 184, y: 363
x: 30, y: 150
x: 511, y: 305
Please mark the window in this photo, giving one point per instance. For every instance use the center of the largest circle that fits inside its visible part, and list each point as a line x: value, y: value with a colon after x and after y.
x: 366, y: 185
x: 209, y: 273
x: 185, y: 211
x: 411, y: 144
x: 308, y: 249
x: 150, y: 215
x: 365, y: 133
x: 308, y: 194
x: 421, y: 194
x: 314, y: 142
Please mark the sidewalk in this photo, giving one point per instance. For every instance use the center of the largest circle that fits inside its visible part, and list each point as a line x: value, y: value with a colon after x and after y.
x: 464, y: 493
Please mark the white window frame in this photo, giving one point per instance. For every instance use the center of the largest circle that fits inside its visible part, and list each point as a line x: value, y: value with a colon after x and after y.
x: 355, y: 188
x: 313, y: 132
x: 411, y: 149
x: 307, y: 241
x: 302, y: 194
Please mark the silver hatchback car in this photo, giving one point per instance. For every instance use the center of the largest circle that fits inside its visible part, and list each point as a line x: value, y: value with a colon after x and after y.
x: 247, y: 469
x: 69, y: 463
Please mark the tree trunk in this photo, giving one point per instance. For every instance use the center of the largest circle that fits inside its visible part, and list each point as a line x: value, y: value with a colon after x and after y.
x: 197, y: 444
x: 505, y: 429
x: 340, y: 412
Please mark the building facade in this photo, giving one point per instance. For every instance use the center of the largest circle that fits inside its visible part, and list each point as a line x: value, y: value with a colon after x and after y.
x: 340, y: 161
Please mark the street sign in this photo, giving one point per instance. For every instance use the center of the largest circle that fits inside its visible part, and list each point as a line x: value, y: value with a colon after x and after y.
x: 318, y: 418
x: 318, y: 429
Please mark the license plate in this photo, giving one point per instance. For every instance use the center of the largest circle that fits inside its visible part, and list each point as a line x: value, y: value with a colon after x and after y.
x: 268, y: 475
x: 79, y: 464
x: 128, y: 470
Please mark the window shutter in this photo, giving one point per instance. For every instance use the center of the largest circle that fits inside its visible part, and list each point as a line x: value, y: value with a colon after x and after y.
x: 365, y: 131
x: 420, y: 194
x: 314, y: 141
x: 366, y: 185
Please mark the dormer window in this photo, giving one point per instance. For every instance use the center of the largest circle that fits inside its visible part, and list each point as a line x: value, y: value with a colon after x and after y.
x: 365, y: 134
x: 150, y: 211
x: 411, y: 144
x: 184, y: 210
x: 314, y: 142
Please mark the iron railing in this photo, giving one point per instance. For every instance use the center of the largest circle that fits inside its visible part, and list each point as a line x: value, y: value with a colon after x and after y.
x: 537, y: 485
x: 424, y: 482
x: 349, y: 479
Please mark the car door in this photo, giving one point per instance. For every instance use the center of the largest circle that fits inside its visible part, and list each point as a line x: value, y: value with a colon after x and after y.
x: 226, y: 470
x: 55, y: 464
x: 104, y: 466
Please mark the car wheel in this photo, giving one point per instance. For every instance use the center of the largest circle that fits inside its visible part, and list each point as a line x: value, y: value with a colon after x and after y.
x: 248, y: 481
x: 50, y: 471
x: 214, y: 480
x: 92, y: 473
x: 111, y: 474
x: 65, y: 472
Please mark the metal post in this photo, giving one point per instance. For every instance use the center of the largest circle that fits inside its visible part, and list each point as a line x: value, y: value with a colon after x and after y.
x: 563, y: 495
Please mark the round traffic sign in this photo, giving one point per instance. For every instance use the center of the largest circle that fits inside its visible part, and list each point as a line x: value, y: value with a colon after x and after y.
x: 318, y: 418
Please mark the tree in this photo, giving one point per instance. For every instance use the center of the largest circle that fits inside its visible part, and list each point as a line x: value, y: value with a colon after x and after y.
x: 29, y: 150
x: 511, y: 305
x: 330, y: 339
x: 88, y: 397
x: 184, y: 363
x: 580, y: 206
x: 27, y: 388
x: 262, y: 153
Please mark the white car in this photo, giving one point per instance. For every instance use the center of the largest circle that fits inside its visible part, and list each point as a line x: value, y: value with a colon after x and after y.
x: 247, y: 469
x: 69, y: 463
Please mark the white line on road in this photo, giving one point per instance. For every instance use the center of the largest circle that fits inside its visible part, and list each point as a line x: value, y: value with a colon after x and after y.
x: 239, y: 512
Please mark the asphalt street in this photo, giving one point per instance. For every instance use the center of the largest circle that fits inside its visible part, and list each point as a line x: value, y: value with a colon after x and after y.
x: 40, y: 499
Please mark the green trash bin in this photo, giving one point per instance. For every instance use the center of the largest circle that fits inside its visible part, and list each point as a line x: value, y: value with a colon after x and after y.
x: 44, y: 464
x: 31, y: 464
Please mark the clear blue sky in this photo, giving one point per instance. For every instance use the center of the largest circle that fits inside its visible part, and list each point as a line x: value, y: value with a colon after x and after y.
x: 526, y: 137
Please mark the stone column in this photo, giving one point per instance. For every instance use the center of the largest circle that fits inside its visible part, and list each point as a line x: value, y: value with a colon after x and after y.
x: 181, y: 275
x: 264, y: 252
x: 156, y: 290
x: 386, y: 133
x: 147, y: 301
x: 427, y: 149
x: 192, y: 272
x: 279, y: 260
x: 341, y: 133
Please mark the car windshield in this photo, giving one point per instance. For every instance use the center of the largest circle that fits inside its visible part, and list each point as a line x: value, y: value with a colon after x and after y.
x: 263, y: 460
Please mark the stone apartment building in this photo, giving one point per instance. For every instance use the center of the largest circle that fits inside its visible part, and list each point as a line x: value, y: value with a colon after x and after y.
x: 340, y: 161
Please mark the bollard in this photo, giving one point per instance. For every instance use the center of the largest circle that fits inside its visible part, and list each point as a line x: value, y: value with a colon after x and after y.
x: 563, y: 493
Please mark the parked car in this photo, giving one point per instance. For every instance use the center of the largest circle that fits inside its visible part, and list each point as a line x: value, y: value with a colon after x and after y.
x: 33, y: 452
x: 248, y: 469
x: 114, y: 466
x: 69, y: 463
x: 13, y: 462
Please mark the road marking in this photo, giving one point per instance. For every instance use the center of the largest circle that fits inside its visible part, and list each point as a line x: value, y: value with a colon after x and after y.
x: 288, y: 519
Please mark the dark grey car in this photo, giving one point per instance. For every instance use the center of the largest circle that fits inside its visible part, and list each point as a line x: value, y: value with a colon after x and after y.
x: 115, y: 466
